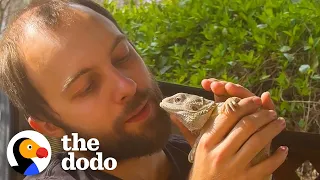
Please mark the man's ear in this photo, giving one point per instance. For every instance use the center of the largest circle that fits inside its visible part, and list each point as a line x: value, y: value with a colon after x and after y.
x: 46, y: 128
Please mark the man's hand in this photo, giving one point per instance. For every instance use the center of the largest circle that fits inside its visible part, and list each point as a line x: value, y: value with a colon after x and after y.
x: 222, y: 90
x: 224, y: 155
x: 225, y: 151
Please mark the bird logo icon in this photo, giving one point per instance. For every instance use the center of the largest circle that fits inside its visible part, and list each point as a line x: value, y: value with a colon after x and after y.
x: 29, y: 153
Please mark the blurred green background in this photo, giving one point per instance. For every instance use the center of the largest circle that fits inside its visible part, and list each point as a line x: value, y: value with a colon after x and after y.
x: 264, y: 45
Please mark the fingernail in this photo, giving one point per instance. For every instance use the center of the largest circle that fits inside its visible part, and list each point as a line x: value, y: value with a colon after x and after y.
x: 282, y: 122
x: 284, y: 149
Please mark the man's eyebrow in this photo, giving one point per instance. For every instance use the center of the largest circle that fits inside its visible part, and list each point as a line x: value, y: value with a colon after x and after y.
x: 71, y: 79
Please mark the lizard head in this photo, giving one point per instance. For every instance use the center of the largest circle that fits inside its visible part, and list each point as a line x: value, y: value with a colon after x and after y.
x: 191, y: 109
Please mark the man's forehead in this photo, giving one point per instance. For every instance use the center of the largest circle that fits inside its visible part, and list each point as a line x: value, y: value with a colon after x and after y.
x: 83, y: 18
x: 90, y: 14
x: 76, y: 13
x: 44, y: 48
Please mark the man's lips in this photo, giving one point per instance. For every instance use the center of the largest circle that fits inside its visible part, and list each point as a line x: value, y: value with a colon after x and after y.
x: 139, y: 113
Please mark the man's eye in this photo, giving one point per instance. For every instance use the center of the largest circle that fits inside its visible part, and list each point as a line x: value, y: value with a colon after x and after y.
x: 123, y: 59
x: 86, y: 90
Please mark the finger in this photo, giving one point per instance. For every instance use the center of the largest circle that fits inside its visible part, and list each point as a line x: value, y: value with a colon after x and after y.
x: 267, y: 102
x: 215, y: 131
x: 217, y: 87
x: 258, y: 141
x: 219, y: 91
x: 223, y: 90
x: 206, y: 83
x: 184, y: 131
x: 244, y: 129
x: 237, y: 90
x: 269, y: 165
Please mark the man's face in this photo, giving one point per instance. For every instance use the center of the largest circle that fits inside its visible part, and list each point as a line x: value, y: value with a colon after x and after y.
x: 98, y: 85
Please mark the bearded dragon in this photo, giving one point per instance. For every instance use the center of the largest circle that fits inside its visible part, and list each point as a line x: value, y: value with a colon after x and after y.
x: 197, y: 114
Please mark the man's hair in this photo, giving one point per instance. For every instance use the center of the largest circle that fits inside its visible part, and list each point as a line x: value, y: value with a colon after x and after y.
x: 14, y: 81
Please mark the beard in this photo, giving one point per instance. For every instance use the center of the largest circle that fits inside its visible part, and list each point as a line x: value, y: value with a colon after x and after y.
x: 123, y: 145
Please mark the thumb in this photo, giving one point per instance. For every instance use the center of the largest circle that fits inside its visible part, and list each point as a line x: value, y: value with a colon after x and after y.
x: 184, y: 131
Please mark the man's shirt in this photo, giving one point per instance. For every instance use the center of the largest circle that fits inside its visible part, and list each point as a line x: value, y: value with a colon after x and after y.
x: 176, y: 150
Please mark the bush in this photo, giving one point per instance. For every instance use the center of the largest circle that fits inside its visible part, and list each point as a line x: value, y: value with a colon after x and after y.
x: 264, y: 45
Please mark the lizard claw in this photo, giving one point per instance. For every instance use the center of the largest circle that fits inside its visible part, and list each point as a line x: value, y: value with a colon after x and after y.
x: 230, y: 105
x: 233, y: 104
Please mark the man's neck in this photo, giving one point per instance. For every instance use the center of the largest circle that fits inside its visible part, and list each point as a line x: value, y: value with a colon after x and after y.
x: 153, y: 167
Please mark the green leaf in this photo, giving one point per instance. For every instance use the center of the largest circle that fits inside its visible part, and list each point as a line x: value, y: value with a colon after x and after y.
x: 306, y: 48
x: 317, y: 40
x: 165, y: 69
x: 285, y: 49
x: 282, y: 80
x: 224, y: 31
x: 295, y: 1
x: 315, y: 63
x: 265, y: 77
x: 316, y: 77
x: 301, y: 123
x: 304, y: 68
x: 194, y: 79
x: 290, y: 57
x: 284, y: 106
x: 262, y: 26
x: 287, y: 32
x: 310, y: 41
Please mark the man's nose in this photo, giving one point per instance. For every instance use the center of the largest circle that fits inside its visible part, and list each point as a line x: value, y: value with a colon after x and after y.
x: 125, y: 88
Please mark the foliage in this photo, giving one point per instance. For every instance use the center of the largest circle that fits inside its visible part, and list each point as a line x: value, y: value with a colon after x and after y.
x: 264, y: 45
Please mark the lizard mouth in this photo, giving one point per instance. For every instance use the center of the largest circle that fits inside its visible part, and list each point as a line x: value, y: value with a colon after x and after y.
x: 191, y: 109
x: 171, y: 108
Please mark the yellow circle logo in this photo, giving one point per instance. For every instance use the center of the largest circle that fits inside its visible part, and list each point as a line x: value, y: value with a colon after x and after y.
x: 29, y: 152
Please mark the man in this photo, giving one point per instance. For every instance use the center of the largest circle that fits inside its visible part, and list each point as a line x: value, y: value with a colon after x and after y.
x: 69, y: 67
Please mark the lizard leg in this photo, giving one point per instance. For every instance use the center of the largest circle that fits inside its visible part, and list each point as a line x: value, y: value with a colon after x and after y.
x: 192, y: 153
x: 230, y: 104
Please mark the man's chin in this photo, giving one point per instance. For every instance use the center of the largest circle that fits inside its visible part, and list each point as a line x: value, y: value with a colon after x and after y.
x: 154, y: 128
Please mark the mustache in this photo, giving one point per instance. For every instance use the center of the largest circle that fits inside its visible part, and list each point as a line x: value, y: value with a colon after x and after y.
x: 136, y: 101
x: 132, y: 105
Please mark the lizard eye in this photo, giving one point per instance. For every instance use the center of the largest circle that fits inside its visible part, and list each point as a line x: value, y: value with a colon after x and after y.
x: 177, y: 99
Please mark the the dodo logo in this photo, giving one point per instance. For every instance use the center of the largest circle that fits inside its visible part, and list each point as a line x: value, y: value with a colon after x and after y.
x: 29, y: 153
